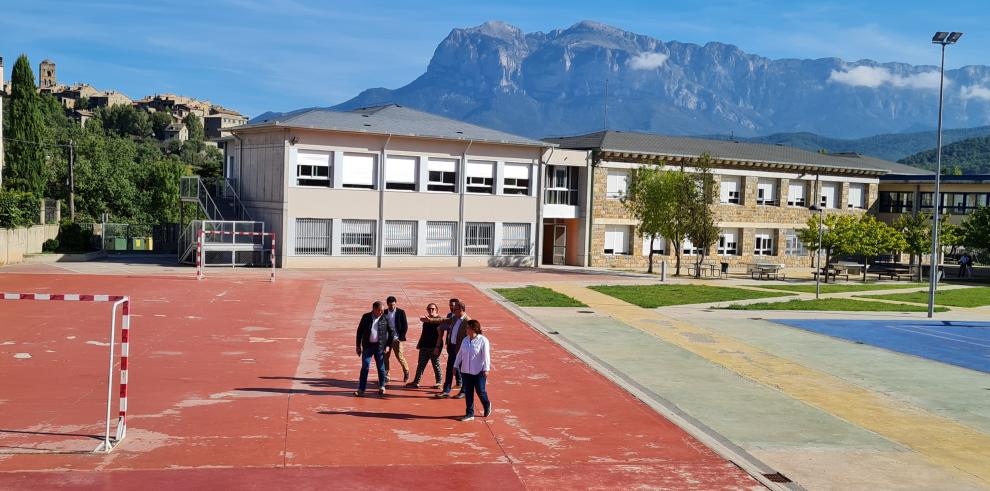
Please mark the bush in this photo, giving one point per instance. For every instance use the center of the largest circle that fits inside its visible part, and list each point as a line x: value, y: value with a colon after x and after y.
x: 73, y: 238
x: 50, y: 245
x: 18, y: 209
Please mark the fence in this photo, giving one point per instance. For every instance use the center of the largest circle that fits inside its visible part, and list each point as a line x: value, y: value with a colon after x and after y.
x: 140, y: 238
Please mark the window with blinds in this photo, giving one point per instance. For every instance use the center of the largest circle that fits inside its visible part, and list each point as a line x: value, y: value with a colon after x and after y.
x: 857, y: 196
x: 442, y: 174
x: 357, y: 237
x: 766, y: 192
x: 657, y: 244
x: 830, y: 195
x: 763, y: 243
x: 616, y: 183
x: 441, y: 238
x: 515, y: 239
x: 729, y: 190
x: 793, y: 245
x: 515, y: 179
x: 400, y: 237
x: 688, y: 248
x: 400, y: 173
x: 617, y: 239
x: 728, y: 243
x: 312, y: 168
x: 480, y: 177
x: 795, y: 194
x: 479, y: 239
x: 358, y: 170
x: 313, y: 237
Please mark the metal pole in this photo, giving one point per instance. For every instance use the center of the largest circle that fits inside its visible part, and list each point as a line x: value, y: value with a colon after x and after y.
x: 936, y: 198
x: 72, y: 181
x: 818, y: 253
x: 1, y: 122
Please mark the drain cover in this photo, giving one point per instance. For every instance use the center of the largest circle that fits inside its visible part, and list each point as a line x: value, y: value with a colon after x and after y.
x: 586, y: 312
x: 776, y: 477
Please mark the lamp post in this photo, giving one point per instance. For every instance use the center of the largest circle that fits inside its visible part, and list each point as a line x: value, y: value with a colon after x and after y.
x: 818, y: 251
x: 944, y: 39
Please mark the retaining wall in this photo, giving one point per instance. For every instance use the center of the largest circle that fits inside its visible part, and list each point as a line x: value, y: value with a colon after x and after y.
x: 16, y: 242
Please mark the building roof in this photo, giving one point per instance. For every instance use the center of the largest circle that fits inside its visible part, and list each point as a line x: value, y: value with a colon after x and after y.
x: 671, y: 146
x: 963, y: 179
x: 173, y: 127
x: 390, y: 119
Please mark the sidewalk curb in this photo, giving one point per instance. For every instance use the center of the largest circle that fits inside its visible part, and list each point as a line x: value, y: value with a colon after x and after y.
x: 706, y: 435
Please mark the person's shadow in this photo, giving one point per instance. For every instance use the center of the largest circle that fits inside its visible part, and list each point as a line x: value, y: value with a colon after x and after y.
x: 328, y: 387
x: 381, y: 415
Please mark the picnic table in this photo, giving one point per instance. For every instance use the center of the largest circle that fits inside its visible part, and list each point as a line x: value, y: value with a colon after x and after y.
x: 759, y: 271
x: 707, y: 269
x: 833, y: 270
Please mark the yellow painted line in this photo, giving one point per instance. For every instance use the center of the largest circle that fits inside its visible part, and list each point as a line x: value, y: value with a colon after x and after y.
x: 939, y: 439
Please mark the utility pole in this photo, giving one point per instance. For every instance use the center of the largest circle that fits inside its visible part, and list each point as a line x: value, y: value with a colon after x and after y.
x: 72, y: 181
x: 1, y: 122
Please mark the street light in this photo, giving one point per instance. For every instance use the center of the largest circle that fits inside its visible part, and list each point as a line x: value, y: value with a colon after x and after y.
x: 818, y: 251
x: 944, y: 39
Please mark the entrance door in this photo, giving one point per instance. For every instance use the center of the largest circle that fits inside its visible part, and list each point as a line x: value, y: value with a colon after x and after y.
x: 559, y: 244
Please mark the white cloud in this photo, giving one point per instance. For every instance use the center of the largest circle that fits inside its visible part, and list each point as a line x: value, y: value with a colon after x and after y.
x: 647, y: 61
x: 873, y: 77
x: 975, y: 92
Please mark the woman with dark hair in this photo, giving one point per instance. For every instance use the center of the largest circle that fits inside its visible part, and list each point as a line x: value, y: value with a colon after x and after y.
x: 427, y: 346
x: 474, y: 361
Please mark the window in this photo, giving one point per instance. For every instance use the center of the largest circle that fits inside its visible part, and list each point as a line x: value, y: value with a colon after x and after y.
x: 442, y: 175
x: 897, y: 202
x: 515, y: 179
x: 728, y: 243
x: 795, y: 194
x: 658, y: 245
x: 478, y: 239
x: 963, y: 203
x: 857, y: 195
x: 766, y: 192
x: 357, y: 237
x: 616, y: 183
x: 830, y: 195
x: 561, y: 186
x: 926, y: 200
x: 617, y: 239
x: 400, y: 237
x: 729, y: 190
x: 792, y: 245
x: 688, y: 248
x: 441, y: 238
x: 480, y: 176
x: 313, y: 236
x: 764, y: 243
x: 358, y: 171
x: 400, y: 173
x: 313, y: 168
x: 515, y: 239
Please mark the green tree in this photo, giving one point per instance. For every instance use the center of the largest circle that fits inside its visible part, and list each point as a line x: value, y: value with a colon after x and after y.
x: 124, y: 120
x: 195, y: 127
x: 656, y: 198
x: 25, y: 132
x: 159, y: 121
x: 161, y: 190
x: 949, y: 235
x: 834, y: 230
x: 975, y: 232
x: 869, y: 237
x: 702, y: 230
x: 916, y: 228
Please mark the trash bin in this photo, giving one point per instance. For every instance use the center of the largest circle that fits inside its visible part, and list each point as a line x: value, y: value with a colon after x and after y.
x: 141, y: 243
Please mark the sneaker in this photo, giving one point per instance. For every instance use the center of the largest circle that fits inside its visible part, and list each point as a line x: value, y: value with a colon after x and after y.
x: 488, y: 410
x: 460, y: 395
x: 442, y: 395
x: 438, y: 386
x: 358, y: 393
x: 467, y: 418
x: 381, y: 391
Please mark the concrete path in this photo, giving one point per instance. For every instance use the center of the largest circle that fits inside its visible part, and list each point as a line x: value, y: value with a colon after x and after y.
x: 875, y: 438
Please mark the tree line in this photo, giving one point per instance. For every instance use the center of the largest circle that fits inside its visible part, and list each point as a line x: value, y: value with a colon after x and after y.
x: 121, y: 168
x: 677, y: 205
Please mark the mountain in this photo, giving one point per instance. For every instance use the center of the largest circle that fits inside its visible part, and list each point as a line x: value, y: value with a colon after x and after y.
x: 891, y: 147
x: 542, y: 84
x: 970, y: 156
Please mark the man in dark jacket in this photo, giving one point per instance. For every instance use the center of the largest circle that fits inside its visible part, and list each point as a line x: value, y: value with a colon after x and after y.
x: 374, y: 335
x: 397, y: 318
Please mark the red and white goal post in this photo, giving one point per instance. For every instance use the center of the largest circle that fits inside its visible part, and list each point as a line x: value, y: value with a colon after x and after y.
x: 124, y: 302
x: 201, y: 249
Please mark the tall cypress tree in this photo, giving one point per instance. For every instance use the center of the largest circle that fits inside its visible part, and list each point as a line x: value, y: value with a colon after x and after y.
x: 25, y: 157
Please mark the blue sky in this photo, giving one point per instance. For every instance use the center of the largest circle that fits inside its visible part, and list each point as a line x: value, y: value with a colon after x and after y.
x: 259, y: 55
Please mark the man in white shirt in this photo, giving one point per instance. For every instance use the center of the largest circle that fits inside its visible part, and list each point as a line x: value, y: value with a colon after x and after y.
x: 452, y: 332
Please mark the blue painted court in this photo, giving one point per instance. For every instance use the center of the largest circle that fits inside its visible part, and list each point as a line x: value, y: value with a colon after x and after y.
x: 961, y: 343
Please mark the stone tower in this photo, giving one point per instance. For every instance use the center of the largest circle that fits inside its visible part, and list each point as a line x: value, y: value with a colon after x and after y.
x: 46, y: 75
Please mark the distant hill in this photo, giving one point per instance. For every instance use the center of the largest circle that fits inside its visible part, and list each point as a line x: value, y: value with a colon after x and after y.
x: 893, y: 147
x: 969, y: 156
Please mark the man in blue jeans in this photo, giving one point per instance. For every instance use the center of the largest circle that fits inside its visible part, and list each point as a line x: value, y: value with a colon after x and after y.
x: 374, y: 337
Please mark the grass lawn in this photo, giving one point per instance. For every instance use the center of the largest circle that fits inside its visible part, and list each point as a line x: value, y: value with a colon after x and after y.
x: 835, y: 304
x: 964, y: 297
x: 841, y: 288
x: 652, y: 296
x: 537, y: 296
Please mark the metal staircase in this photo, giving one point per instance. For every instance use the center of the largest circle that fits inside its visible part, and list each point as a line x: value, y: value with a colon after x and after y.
x: 224, y: 212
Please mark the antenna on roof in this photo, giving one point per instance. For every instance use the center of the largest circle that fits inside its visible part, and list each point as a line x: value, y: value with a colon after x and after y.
x: 605, y: 121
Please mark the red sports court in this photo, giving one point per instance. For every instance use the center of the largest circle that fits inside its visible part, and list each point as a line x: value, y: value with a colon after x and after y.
x: 238, y: 380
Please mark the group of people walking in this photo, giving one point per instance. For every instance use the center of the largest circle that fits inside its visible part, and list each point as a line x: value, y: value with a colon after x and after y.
x: 382, y: 331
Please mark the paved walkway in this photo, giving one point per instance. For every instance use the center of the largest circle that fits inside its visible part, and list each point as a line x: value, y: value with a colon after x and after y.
x: 930, y: 445
x: 237, y: 380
